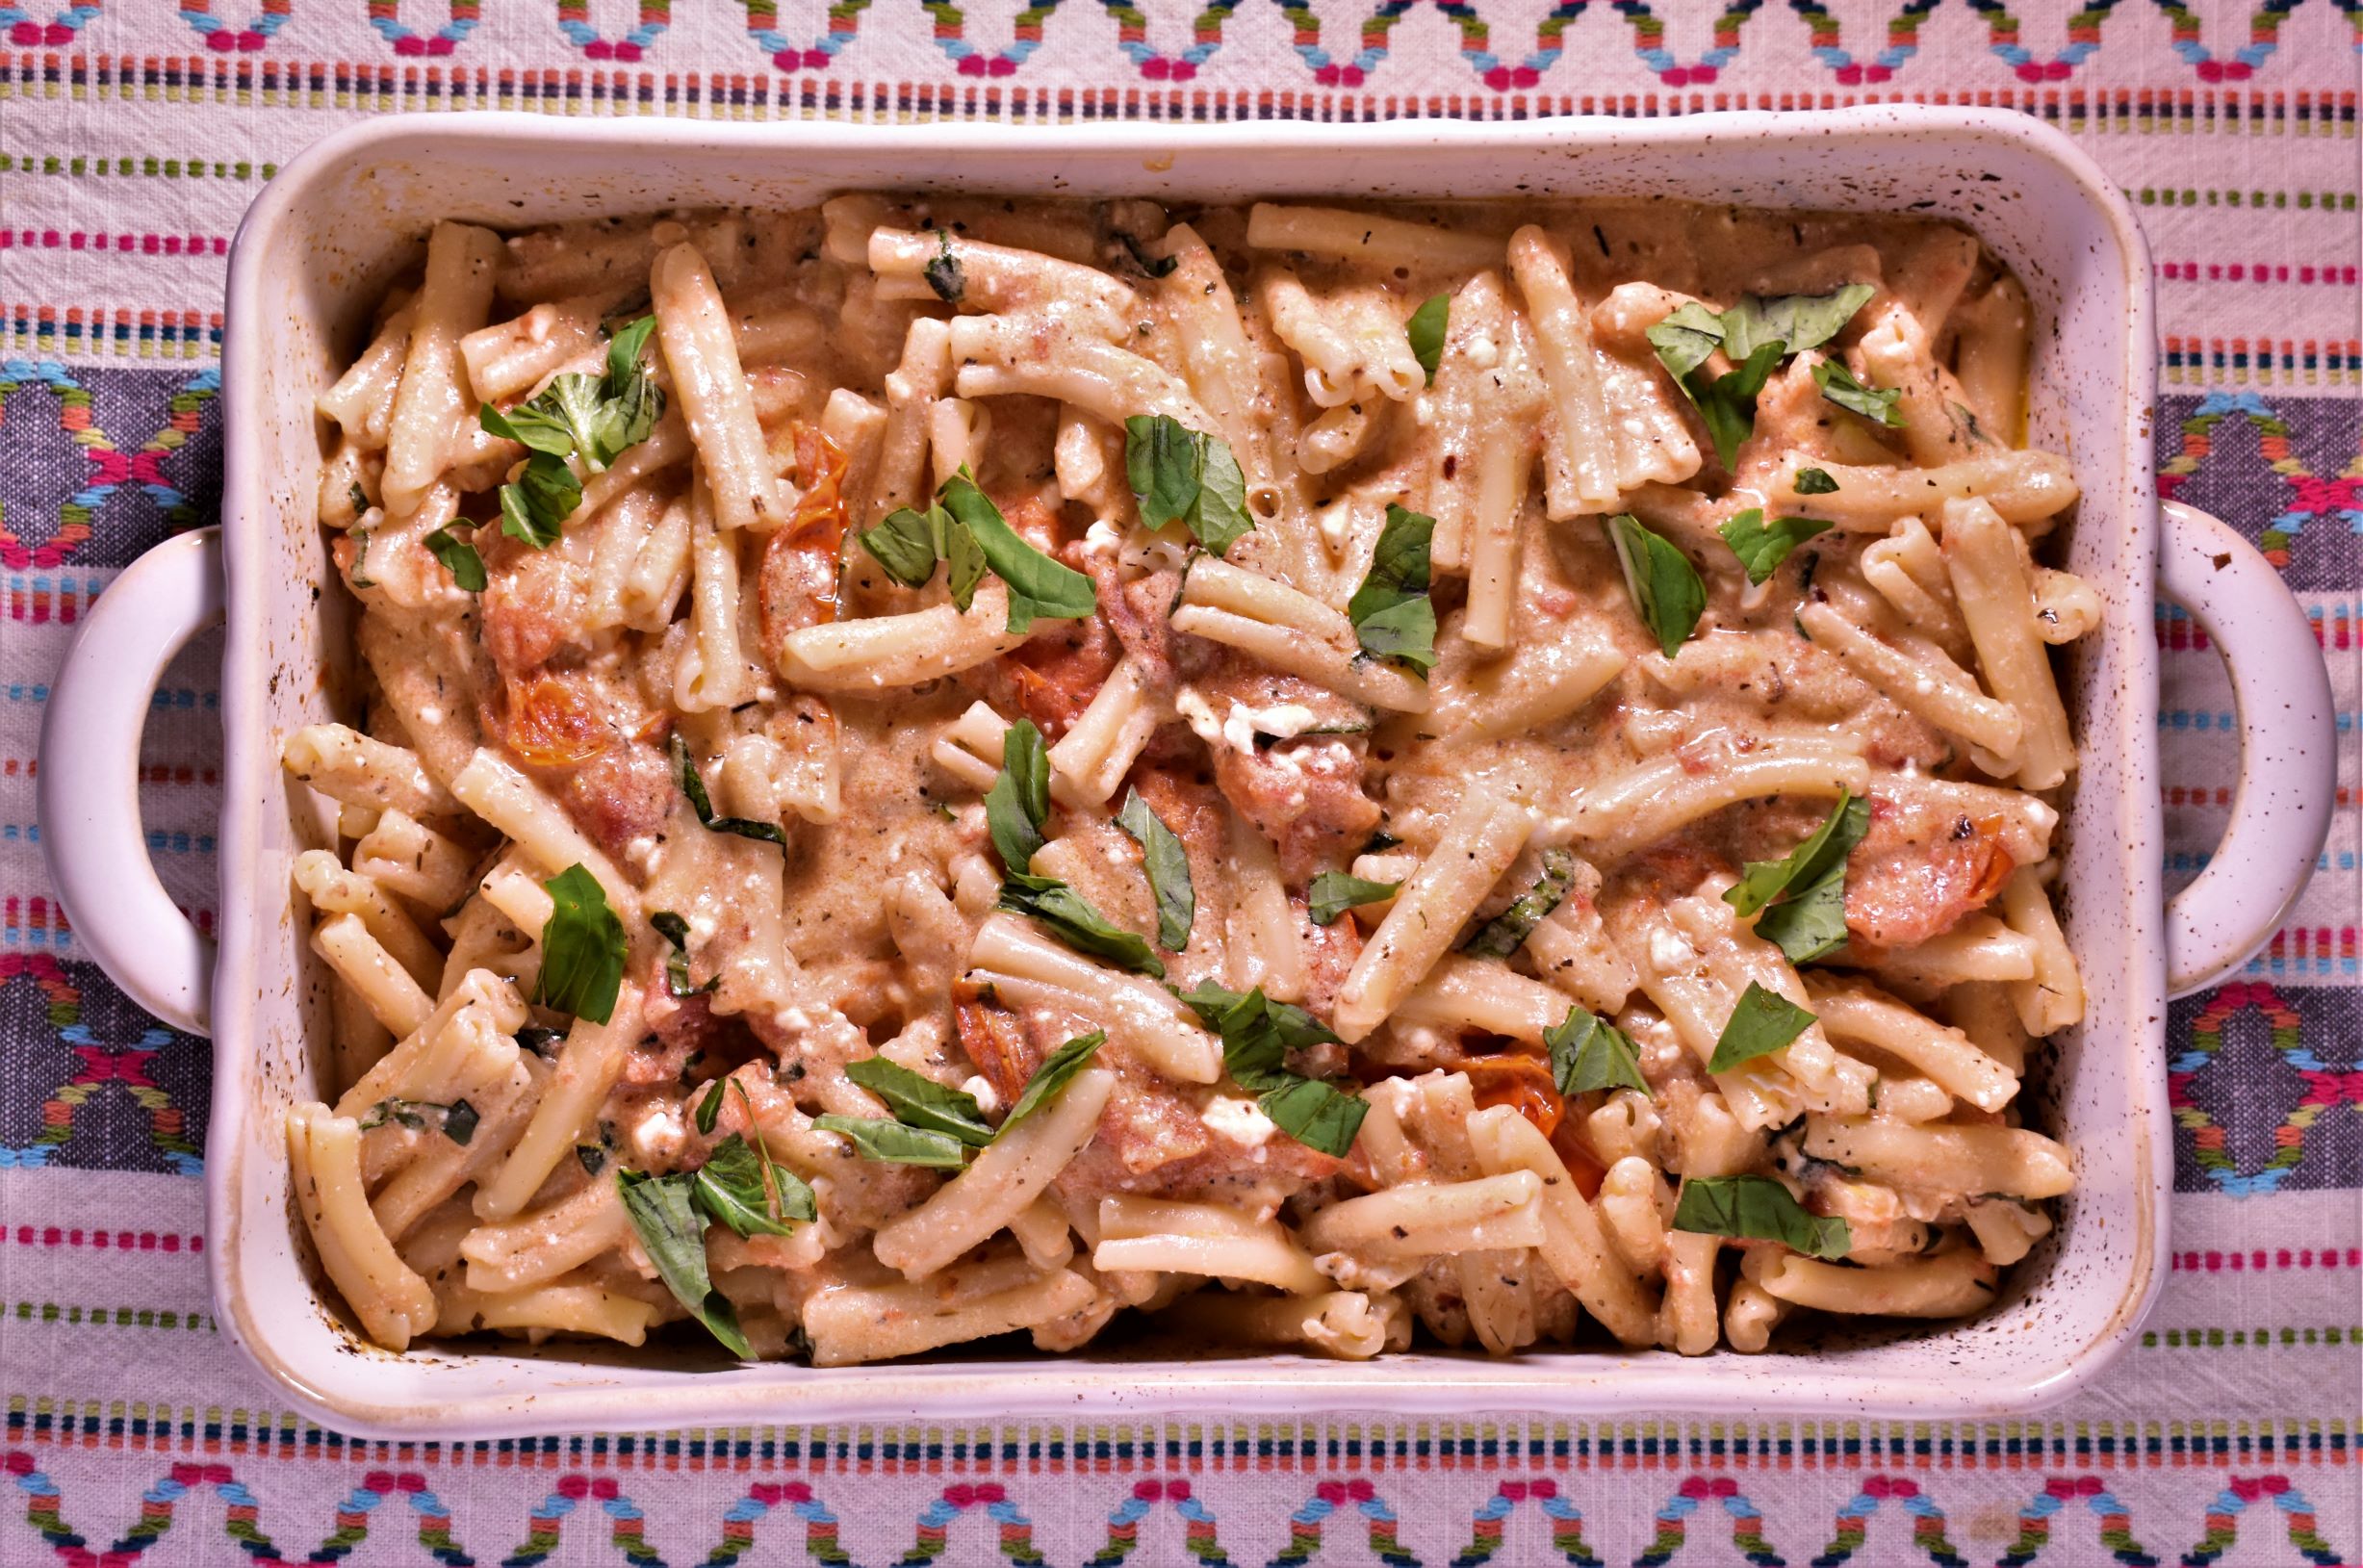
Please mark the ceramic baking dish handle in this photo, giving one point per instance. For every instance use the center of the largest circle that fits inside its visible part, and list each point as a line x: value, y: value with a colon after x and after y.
x: 89, y: 787
x: 2288, y: 748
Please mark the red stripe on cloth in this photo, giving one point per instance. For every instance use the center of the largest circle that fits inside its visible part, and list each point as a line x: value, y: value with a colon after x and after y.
x: 120, y: 1240
x: 2304, y: 1257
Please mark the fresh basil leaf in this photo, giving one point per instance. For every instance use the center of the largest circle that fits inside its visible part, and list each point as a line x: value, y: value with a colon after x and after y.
x: 360, y: 576
x: 1685, y: 338
x: 1038, y: 585
x: 1177, y: 474
x: 1507, y: 932
x: 1797, y: 321
x: 882, y: 1138
x: 943, y: 272
x: 1874, y: 404
x: 1153, y: 266
x: 919, y: 1101
x: 1257, y: 1035
x: 685, y: 774
x: 709, y: 1109
x: 1334, y: 893
x: 1316, y: 1113
x: 1588, y: 1053
x: 663, y: 1212
x: 1763, y: 1023
x: 535, y: 506
x: 1425, y: 332
x: 1761, y: 547
x: 1802, y: 898
x: 1163, y: 459
x: 583, y: 948
x: 359, y: 498
x: 1057, y: 1072
x: 1759, y: 1208
x: 537, y: 426
x: 905, y: 543
x: 1071, y: 919
x: 963, y: 561
x: 1392, y: 615
x: 676, y: 930
x: 729, y: 1188
x: 1815, y: 481
x: 1018, y: 803
x: 624, y: 350
x: 1168, y: 868
x: 458, y: 556
x: 1664, y: 587
x: 576, y: 402
x: 1728, y: 403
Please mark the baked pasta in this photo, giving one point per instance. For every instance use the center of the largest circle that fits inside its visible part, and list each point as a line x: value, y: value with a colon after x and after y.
x: 932, y: 770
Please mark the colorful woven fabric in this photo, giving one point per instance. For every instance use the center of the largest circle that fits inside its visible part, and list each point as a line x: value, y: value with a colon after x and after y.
x: 132, y: 135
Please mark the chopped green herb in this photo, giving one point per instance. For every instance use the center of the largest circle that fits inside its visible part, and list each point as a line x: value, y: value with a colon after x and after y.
x: 1017, y: 805
x: 1874, y: 404
x: 1801, y: 897
x: 731, y: 1187
x: 1815, y: 481
x: 1334, y: 893
x: 1797, y: 321
x: 1425, y: 331
x: 1038, y: 585
x: 1392, y: 615
x: 360, y: 578
x: 1759, y: 1208
x: 1507, y: 932
x: 672, y: 1232
x: 1588, y: 1053
x: 919, y: 1101
x: 906, y: 544
x: 459, y: 1121
x: 1071, y: 918
x: 1177, y: 473
x: 1761, y: 547
x: 1167, y: 866
x: 1761, y: 1023
x: 943, y: 271
x: 591, y: 1157
x: 685, y: 774
x: 675, y: 931
x: 458, y: 556
x: 883, y: 1138
x: 1153, y: 266
x: 1057, y: 1072
x: 709, y: 1109
x: 535, y: 507
x: 539, y: 1041
x: 359, y: 497
x: 1757, y: 334
x: 1257, y: 1035
x: 583, y: 948
x: 1664, y: 587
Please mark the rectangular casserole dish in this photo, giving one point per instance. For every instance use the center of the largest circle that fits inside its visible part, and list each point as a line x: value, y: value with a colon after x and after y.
x: 319, y: 247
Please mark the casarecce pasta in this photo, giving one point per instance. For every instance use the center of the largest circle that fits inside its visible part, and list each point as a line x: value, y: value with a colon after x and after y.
x: 926, y: 770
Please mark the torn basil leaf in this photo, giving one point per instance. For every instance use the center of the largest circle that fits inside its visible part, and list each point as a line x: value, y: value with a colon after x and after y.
x: 1762, y: 1023
x: 675, y: 931
x: 534, y: 507
x: 1071, y: 918
x: 919, y: 1101
x: 729, y: 1188
x: 1153, y: 266
x: 906, y: 544
x: 1588, y: 1053
x: 1425, y: 332
x: 583, y: 948
x: 1392, y: 615
x: 1334, y: 893
x: 1257, y: 1035
x: 1018, y: 804
x: 1800, y: 900
x: 1038, y: 585
x: 1874, y: 404
x: 885, y: 1138
x: 1797, y: 321
x: 709, y: 1109
x: 458, y: 556
x: 1757, y: 1208
x: 693, y: 787
x: 1815, y: 481
x: 672, y: 1232
x: 1179, y: 474
x: 1728, y: 403
x: 943, y: 272
x: 1685, y: 338
x: 1057, y: 1072
x: 1761, y: 546
x: 1167, y: 864
x: 1506, y: 932
x: 1664, y: 587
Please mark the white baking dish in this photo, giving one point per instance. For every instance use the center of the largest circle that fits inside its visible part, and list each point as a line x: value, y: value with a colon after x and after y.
x: 324, y: 239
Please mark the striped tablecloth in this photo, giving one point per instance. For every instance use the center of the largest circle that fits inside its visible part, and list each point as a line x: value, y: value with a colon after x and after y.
x: 132, y: 135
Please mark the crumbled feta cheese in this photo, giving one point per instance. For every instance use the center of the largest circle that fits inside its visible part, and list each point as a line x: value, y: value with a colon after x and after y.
x: 981, y: 1091
x: 1282, y: 721
x: 1199, y: 714
x: 1484, y: 352
x: 1336, y: 523
x: 656, y: 1138
x: 1242, y: 1121
x: 1103, y: 540
x: 1667, y: 951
